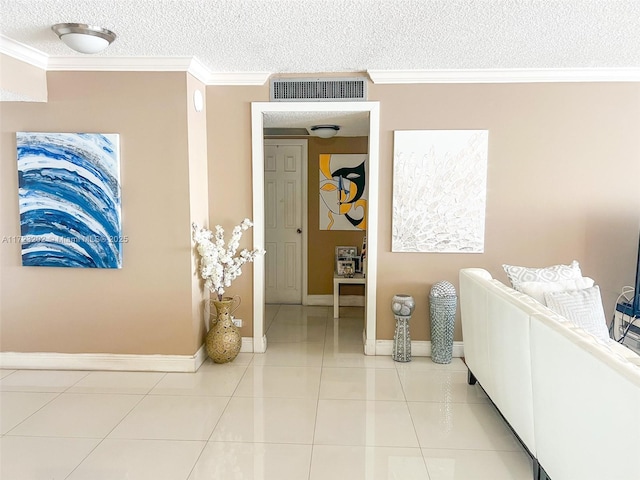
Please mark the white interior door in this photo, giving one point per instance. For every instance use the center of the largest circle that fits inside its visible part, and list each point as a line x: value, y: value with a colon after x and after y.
x: 283, y: 167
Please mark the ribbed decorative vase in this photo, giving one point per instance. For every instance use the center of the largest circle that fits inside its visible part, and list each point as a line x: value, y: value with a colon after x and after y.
x: 223, y: 340
x: 442, y: 306
x: 402, y: 307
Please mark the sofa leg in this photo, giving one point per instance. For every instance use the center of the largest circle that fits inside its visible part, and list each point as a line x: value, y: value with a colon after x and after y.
x: 471, y: 380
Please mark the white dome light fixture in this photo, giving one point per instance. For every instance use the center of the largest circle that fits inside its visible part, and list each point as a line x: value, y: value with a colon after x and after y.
x: 84, y: 38
x: 325, y: 131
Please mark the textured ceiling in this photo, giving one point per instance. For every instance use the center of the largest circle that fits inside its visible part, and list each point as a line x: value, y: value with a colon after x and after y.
x: 352, y: 124
x: 279, y: 36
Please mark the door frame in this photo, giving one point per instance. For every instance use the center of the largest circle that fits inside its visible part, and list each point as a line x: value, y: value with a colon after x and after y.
x: 258, y: 109
x: 304, y: 205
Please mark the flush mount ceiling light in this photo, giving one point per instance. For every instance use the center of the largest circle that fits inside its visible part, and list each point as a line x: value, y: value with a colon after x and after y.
x: 325, y: 131
x: 84, y: 38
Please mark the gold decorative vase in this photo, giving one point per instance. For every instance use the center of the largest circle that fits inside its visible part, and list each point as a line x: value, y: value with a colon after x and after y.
x: 223, y: 340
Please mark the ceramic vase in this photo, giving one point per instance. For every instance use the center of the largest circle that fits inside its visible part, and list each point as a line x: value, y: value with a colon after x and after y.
x: 223, y: 340
x: 402, y: 307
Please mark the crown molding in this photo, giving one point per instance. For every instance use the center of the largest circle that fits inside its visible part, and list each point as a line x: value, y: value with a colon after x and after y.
x: 157, y: 64
x: 199, y: 70
x: 515, y: 75
x: 191, y: 65
x: 119, y: 64
x: 23, y: 52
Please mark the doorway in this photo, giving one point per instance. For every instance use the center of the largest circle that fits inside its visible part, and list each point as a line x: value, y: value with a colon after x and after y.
x: 258, y: 111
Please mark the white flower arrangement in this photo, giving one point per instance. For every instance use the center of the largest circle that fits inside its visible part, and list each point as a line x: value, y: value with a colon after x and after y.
x: 219, y: 265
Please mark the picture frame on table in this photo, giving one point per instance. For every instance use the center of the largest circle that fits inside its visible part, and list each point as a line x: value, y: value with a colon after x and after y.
x: 346, y: 251
x: 345, y: 267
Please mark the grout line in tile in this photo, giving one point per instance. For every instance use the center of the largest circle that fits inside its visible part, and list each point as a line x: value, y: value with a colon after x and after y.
x: 25, y: 419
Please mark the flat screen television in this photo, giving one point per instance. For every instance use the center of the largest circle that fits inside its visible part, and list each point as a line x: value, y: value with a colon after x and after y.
x: 631, y: 307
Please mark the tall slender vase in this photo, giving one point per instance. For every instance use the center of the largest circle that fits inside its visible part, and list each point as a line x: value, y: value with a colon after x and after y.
x: 223, y: 340
x: 402, y: 306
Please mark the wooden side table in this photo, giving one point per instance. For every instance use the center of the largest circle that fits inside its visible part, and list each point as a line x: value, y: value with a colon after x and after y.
x: 358, y: 279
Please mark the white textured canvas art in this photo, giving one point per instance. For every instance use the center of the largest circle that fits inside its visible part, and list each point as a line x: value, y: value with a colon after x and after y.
x: 439, y: 190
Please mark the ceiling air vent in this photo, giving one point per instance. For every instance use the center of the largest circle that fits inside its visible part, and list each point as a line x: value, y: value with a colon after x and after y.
x: 318, y: 89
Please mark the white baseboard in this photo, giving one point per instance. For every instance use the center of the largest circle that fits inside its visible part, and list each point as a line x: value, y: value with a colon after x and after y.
x: 169, y: 363
x: 247, y: 345
x: 327, y: 300
x: 369, y: 347
x: 102, y: 361
x: 419, y: 348
x: 259, y: 346
x: 109, y: 361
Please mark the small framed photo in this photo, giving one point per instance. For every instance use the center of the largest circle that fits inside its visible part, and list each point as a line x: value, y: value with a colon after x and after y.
x: 345, y: 268
x: 342, y: 252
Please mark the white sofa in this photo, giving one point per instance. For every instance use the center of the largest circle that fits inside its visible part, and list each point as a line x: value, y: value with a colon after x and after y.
x: 573, y: 401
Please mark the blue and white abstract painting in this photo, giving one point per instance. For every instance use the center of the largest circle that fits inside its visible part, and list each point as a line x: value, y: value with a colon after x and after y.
x: 69, y: 197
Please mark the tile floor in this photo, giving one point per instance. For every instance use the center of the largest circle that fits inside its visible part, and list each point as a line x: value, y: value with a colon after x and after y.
x: 313, y: 407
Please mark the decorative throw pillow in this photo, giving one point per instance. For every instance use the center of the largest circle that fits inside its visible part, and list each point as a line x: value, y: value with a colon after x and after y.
x: 537, y: 290
x: 583, y: 308
x: 553, y: 273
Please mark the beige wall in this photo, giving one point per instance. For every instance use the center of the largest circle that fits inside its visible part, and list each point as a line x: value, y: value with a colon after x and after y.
x: 198, y: 199
x: 145, y: 307
x: 562, y: 184
x: 230, y: 176
x: 20, y: 81
x: 564, y: 164
x: 562, y: 179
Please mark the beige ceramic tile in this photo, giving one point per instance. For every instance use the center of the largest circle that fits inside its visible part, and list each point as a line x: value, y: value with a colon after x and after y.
x: 15, y: 407
x: 270, y: 420
x: 345, y: 330
x: 273, y: 381
x: 42, y: 458
x: 367, y: 463
x: 253, y: 461
x: 117, y: 382
x: 364, y: 423
x: 309, y: 332
x: 477, y: 464
x: 291, y: 355
x: 298, y: 314
x: 440, y: 386
x: 361, y: 384
x: 169, y: 417
x: 41, y: 380
x: 338, y: 354
x: 78, y: 415
x: 139, y: 460
x: 210, y: 379
x: 5, y: 373
x: 261, y: 415
x: 466, y: 426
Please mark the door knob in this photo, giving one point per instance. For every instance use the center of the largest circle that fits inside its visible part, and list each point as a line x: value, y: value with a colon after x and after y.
x: 299, y: 230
